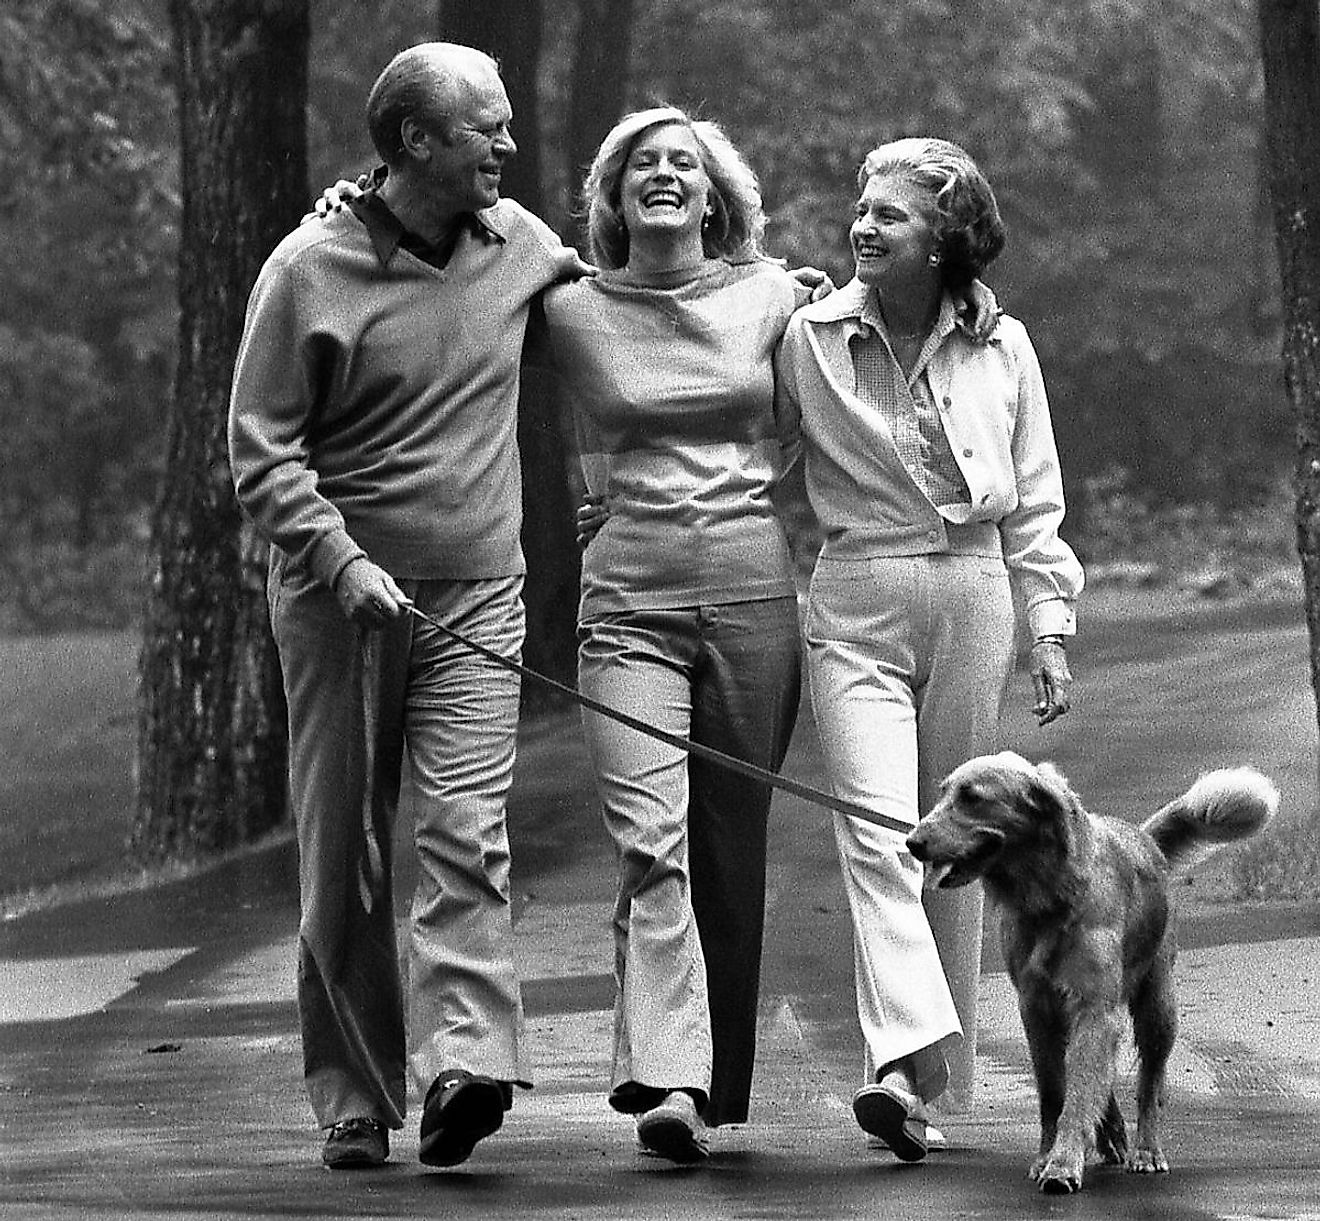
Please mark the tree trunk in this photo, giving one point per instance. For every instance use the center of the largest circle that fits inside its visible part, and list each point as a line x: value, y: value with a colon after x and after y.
x: 1290, y: 48
x: 211, y: 738
x: 600, y: 79
x: 510, y: 30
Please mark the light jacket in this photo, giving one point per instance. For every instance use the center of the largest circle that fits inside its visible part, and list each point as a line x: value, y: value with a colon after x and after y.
x: 992, y: 402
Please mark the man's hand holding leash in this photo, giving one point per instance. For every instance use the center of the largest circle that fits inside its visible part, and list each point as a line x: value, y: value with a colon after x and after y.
x: 368, y: 595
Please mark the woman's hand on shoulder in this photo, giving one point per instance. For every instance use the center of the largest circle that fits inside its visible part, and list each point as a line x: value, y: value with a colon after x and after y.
x: 982, y: 311
x: 337, y: 198
x: 817, y: 283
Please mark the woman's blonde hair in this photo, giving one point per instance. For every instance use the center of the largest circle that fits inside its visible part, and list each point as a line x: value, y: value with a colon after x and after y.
x: 970, y: 230
x: 737, y: 223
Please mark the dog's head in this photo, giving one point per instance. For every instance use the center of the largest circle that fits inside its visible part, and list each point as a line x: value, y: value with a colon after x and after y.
x: 991, y: 811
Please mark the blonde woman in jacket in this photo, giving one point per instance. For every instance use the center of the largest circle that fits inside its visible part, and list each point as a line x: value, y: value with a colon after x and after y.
x: 931, y: 465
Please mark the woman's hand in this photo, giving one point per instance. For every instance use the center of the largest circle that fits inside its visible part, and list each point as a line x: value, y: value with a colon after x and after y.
x: 1050, y: 679
x: 336, y: 198
x: 813, y: 278
x: 983, y: 310
x: 592, y: 514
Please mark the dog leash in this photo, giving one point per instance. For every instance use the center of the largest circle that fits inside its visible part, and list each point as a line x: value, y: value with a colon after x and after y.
x: 700, y: 750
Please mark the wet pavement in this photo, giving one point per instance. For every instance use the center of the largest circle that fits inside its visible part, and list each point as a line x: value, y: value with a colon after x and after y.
x: 150, y: 1063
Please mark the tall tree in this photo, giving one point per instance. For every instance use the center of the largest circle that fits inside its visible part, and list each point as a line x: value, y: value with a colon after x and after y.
x: 1290, y: 52
x: 211, y: 739
x: 600, y: 78
x: 510, y: 30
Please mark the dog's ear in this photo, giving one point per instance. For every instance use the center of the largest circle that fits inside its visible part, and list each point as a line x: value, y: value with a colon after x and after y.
x: 1058, y: 810
x: 1051, y: 790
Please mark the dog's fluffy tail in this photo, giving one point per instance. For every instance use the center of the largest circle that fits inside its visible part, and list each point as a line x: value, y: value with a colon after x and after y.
x: 1220, y: 807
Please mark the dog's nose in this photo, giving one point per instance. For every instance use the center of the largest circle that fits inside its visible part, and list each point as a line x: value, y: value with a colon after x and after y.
x: 916, y: 846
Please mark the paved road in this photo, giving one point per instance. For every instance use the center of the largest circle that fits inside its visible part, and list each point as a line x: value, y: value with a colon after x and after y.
x: 149, y: 1063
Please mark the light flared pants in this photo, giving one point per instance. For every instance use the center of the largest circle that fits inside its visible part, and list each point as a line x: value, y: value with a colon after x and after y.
x: 690, y: 836
x: 908, y: 658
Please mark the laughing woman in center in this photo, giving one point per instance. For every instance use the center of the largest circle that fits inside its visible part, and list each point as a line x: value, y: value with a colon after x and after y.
x: 688, y: 613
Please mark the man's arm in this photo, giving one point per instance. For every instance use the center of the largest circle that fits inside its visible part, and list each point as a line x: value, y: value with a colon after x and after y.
x: 270, y: 409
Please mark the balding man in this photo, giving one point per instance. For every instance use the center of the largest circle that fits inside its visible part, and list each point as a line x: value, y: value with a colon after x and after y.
x: 373, y: 441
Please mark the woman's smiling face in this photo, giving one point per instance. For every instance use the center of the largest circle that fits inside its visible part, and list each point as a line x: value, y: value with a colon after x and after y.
x: 894, y: 231
x: 664, y: 185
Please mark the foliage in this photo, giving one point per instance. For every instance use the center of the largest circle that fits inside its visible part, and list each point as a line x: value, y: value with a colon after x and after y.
x: 1121, y: 135
x: 87, y: 235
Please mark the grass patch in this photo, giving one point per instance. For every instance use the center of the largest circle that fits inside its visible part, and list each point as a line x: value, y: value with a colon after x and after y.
x: 67, y: 739
x: 1204, y: 550
x: 1282, y: 862
x: 68, y: 728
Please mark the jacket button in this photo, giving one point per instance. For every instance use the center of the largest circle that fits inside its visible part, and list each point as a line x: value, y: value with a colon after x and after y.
x: 967, y: 453
x: 948, y: 402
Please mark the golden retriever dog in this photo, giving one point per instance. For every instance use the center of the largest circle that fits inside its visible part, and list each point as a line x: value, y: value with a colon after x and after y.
x: 1084, y: 908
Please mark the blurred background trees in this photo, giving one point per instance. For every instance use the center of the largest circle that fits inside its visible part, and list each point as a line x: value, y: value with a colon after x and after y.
x: 1124, y: 138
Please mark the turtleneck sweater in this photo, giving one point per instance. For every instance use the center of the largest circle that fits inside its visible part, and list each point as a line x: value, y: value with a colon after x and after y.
x: 670, y: 379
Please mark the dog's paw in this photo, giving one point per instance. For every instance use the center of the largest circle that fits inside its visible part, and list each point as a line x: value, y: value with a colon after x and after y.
x: 1148, y: 1161
x: 1058, y: 1174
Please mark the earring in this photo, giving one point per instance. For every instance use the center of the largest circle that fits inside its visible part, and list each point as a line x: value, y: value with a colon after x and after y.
x: 933, y: 258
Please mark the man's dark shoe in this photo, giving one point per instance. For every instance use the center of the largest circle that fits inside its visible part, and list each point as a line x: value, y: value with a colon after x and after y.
x: 356, y: 1144
x: 461, y: 1108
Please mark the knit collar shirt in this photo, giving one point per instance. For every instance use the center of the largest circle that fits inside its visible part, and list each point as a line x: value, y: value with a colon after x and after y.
x: 388, y: 234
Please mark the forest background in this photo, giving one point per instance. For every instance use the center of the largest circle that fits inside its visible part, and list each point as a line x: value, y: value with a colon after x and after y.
x: 158, y: 149
x: 1123, y: 137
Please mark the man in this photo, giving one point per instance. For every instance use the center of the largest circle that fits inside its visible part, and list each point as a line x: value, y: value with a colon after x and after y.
x: 373, y: 440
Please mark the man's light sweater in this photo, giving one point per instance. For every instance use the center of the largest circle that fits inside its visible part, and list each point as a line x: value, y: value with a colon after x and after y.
x: 374, y: 404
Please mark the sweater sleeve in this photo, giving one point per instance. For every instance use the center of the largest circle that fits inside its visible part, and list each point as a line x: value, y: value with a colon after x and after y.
x: 788, y: 411
x: 271, y: 408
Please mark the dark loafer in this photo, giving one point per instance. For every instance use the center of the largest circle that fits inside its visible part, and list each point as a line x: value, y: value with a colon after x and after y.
x: 461, y: 1108
x: 896, y: 1117
x: 356, y: 1144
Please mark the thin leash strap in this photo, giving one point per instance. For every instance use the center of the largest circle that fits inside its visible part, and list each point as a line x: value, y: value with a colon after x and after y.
x: 709, y: 753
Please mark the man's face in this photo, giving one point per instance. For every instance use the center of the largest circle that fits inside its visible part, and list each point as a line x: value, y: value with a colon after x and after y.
x: 467, y: 159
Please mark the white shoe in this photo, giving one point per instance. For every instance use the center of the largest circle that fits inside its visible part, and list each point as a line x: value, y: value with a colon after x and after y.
x: 894, y: 1114
x: 674, y: 1130
x: 936, y: 1141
